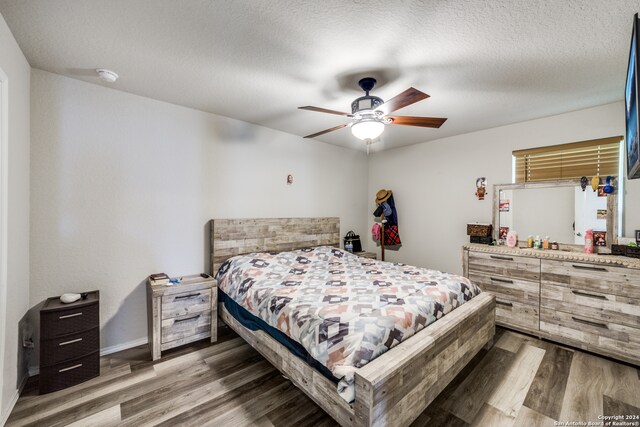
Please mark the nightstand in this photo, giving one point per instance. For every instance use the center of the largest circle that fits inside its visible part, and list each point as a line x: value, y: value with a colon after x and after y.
x: 69, y: 342
x: 182, y: 313
x: 370, y: 255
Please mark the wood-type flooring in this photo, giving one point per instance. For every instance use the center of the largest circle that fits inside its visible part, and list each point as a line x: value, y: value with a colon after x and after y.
x: 520, y: 381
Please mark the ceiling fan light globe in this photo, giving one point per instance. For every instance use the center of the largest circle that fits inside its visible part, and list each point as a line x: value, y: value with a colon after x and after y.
x: 367, y: 129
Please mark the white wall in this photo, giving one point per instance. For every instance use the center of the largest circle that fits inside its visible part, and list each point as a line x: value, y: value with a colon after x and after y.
x: 434, y: 182
x: 14, y: 65
x: 123, y: 186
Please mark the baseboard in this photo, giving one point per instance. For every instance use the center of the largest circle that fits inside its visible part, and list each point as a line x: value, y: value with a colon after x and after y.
x: 35, y: 370
x: 124, y: 346
x: 5, y: 416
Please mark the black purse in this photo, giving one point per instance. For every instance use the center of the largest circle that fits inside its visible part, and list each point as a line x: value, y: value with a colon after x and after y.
x: 355, y: 241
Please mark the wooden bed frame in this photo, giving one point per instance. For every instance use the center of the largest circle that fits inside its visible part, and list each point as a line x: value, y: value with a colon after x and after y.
x: 391, y: 390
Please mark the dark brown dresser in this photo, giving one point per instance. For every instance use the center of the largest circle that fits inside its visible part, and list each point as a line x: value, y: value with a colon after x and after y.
x: 69, y: 342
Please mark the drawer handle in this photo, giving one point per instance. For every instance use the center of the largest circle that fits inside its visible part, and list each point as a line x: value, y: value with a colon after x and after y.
x: 70, y: 342
x: 185, y: 319
x: 588, y: 322
x: 495, y: 279
x: 79, y: 365
x: 188, y: 296
x: 508, y: 304
x: 586, y: 267
x: 70, y: 315
x: 504, y: 258
x: 586, y: 294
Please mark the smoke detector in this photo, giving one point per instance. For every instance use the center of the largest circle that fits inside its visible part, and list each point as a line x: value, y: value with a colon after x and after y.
x: 107, y: 75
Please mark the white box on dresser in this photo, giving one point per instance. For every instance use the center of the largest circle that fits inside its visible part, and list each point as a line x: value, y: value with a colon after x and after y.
x: 584, y: 300
x: 181, y: 313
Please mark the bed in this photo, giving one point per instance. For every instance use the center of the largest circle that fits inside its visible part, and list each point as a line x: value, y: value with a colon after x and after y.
x: 393, y: 388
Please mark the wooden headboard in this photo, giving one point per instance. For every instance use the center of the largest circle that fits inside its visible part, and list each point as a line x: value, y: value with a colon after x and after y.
x: 231, y: 237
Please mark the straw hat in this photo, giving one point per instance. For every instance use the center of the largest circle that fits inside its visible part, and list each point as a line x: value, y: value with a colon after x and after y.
x: 383, y: 195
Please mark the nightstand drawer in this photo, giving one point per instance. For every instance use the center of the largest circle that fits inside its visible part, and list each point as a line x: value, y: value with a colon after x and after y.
x: 191, y: 325
x: 184, y: 303
x: 63, y: 322
x: 69, y: 373
x: 70, y: 346
x: 511, y: 266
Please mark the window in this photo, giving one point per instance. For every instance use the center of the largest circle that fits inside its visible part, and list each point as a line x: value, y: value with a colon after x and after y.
x: 600, y: 157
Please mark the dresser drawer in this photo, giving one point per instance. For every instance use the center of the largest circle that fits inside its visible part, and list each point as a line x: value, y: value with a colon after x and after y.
x: 523, y: 291
x: 191, y: 325
x: 605, y: 307
x: 62, y: 322
x: 509, y: 266
x: 69, y: 373
x: 602, y: 337
x: 68, y: 347
x: 592, y: 277
x: 184, y: 303
x: 517, y: 314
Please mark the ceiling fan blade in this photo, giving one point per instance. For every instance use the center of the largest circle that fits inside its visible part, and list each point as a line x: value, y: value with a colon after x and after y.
x: 322, y: 132
x: 408, y: 97
x: 324, y: 110
x: 425, y: 122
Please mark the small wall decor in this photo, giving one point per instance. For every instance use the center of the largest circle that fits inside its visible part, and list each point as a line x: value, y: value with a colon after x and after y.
x: 599, y: 238
x: 601, y: 214
x: 504, y: 205
x: 289, y: 179
x: 481, y: 187
x: 595, y: 183
x: 601, y: 192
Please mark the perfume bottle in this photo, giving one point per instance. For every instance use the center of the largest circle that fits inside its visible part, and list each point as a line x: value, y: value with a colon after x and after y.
x: 588, y: 242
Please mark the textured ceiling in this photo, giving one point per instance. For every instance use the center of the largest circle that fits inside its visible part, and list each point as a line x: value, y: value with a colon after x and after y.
x: 484, y: 63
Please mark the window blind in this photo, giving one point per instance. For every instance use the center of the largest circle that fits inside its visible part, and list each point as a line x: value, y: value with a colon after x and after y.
x: 568, y: 161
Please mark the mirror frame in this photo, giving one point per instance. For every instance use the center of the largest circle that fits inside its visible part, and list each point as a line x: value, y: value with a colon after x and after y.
x: 612, y: 208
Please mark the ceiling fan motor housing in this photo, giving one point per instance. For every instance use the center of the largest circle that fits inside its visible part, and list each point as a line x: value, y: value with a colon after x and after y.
x: 366, y: 103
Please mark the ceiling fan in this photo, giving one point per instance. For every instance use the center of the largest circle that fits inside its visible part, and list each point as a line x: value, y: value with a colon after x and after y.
x: 370, y: 114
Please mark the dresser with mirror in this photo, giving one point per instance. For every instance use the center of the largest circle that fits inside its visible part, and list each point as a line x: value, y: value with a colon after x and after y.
x: 589, y: 301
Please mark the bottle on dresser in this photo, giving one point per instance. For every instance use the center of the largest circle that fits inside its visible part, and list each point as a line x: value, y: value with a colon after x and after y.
x: 588, y: 241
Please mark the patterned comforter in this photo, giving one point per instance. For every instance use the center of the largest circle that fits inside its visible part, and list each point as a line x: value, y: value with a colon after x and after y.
x: 343, y: 309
